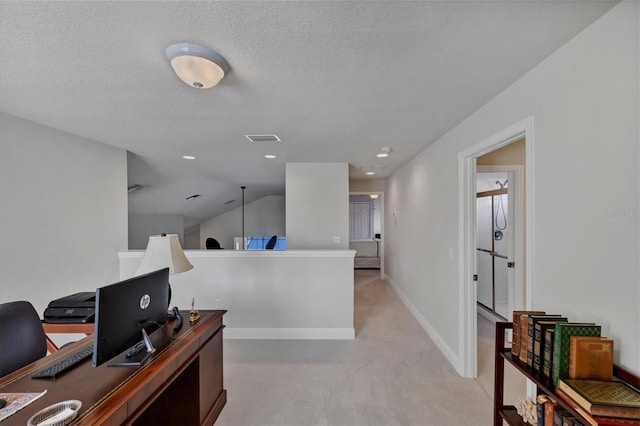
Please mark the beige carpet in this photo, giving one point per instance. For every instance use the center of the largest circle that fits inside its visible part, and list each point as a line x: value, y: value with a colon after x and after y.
x: 391, y: 374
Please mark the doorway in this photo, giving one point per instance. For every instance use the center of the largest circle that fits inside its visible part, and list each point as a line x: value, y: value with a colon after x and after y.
x: 366, y: 210
x: 471, y: 161
x: 494, y: 238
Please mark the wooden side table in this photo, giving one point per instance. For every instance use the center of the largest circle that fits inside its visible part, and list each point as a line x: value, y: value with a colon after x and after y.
x: 50, y: 328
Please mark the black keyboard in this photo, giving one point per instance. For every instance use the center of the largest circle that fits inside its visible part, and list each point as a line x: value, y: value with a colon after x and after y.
x: 64, y: 364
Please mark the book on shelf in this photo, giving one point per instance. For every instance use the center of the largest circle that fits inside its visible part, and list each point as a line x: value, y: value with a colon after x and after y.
x: 523, y: 330
x: 591, y: 358
x: 562, y: 345
x: 558, y: 416
x: 515, y: 341
x: 569, y: 420
x: 612, y: 421
x: 540, y: 328
x: 595, y: 420
x: 603, y: 398
x: 540, y: 404
x: 532, y: 320
x: 549, y: 409
x: 547, y: 349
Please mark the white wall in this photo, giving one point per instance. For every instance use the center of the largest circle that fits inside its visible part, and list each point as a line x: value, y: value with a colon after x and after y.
x: 367, y: 185
x: 192, y: 238
x: 585, y: 259
x: 142, y: 226
x: 269, y: 294
x: 63, y: 212
x: 262, y: 217
x: 317, y: 205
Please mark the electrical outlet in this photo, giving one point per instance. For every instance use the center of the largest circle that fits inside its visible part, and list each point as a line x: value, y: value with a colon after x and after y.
x: 218, y: 303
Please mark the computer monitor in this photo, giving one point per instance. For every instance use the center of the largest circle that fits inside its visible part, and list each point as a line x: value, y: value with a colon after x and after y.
x: 123, y: 310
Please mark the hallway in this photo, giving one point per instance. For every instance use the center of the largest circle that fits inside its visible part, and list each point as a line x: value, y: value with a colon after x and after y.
x: 391, y: 374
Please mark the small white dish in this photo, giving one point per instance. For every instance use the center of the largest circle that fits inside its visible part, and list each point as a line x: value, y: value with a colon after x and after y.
x: 59, y: 414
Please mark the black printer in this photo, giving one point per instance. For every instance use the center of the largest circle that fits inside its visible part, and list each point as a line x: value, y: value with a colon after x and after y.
x: 78, y: 308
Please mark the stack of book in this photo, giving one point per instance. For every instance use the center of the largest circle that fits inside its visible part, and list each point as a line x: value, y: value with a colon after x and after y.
x: 543, y: 342
x: 601, y: 402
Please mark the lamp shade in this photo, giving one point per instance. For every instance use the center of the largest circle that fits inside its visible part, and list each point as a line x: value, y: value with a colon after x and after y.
x: 164, y: 251
x: 196, y: 65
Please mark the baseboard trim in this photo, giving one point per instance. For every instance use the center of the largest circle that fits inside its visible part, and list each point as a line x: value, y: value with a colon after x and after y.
x: 449, y: 354
x: 289, y: 333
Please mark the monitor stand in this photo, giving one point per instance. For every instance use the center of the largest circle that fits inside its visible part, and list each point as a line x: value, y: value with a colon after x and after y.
x: 137, y: 358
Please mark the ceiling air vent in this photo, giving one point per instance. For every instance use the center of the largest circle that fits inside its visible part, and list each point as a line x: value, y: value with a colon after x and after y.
x: 263, y: 138
x: 192, y: 197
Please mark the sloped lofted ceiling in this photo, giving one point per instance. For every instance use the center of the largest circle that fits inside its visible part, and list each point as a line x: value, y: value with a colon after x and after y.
x: 335, y: 80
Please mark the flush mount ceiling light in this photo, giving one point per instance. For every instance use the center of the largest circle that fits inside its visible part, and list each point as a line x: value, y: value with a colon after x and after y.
x: 198, y: 66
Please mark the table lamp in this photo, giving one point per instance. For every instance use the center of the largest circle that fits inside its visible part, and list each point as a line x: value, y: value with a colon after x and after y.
x: 164, y: 251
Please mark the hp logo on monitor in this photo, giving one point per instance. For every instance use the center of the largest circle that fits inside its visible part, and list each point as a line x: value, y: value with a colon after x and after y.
x: 145, y: 301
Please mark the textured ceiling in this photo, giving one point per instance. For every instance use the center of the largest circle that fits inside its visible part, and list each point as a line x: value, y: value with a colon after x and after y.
x: 335, y: 80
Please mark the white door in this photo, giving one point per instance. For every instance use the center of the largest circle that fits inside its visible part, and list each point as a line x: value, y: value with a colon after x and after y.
x: 360, y: 220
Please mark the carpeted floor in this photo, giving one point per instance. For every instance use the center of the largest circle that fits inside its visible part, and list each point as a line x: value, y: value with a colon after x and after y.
x: 391, y: 374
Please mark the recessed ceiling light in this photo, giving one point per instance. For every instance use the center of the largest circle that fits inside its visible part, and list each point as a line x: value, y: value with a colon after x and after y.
x: 270, y: 156
x: 384, y: 152
x: 371, y: 173
x: 188, y: 157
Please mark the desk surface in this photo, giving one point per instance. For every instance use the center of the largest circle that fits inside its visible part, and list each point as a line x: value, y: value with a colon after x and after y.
x: 119, y: 395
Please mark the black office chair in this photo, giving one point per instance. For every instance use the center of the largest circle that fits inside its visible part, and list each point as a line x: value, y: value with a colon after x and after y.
x: 212, y: 244
x: 22, y: 338
x: 272, y: 242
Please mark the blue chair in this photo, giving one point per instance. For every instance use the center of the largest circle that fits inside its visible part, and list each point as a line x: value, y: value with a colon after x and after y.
x: 272, y: 242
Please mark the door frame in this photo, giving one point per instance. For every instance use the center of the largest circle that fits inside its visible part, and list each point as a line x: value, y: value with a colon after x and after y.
x: 468, y: 329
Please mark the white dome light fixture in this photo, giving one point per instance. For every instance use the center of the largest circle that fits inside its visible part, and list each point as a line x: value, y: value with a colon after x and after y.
x: 196, y: 65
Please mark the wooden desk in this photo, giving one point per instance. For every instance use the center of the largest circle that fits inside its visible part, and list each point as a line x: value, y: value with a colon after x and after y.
x: 50, y: 328
x: 180, y: 384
